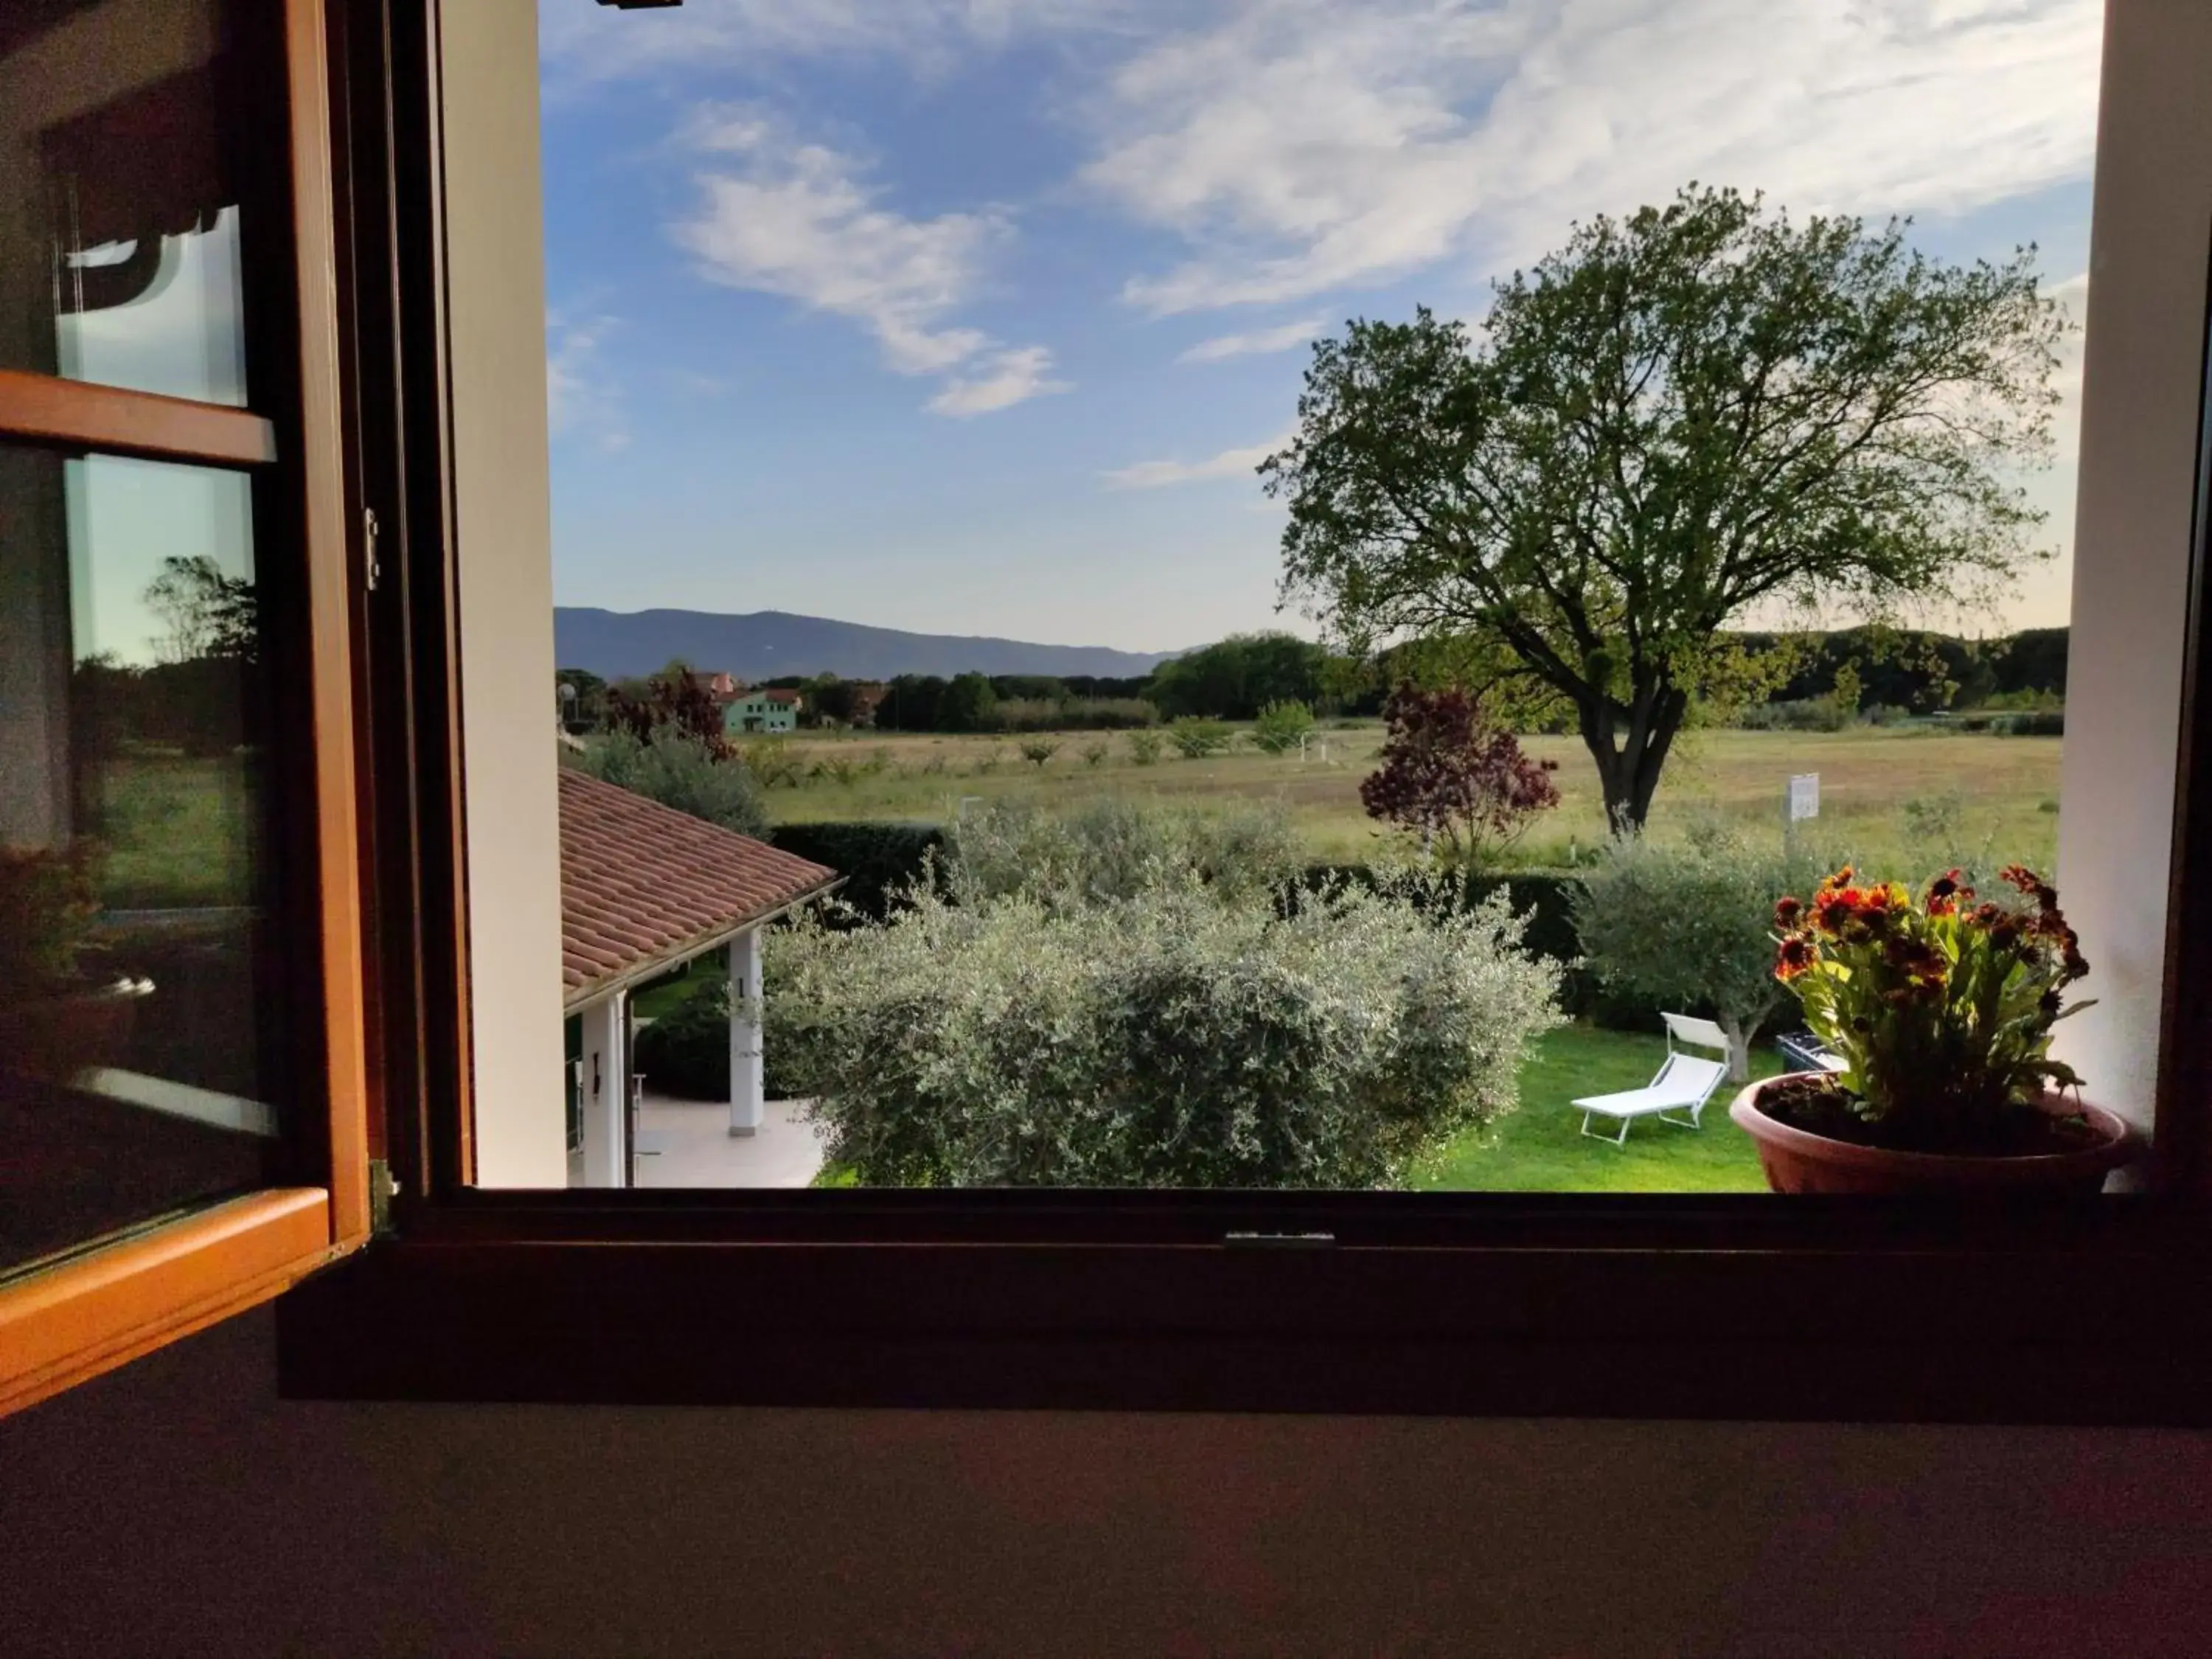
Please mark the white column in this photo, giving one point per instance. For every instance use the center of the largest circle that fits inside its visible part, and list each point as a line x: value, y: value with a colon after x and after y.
x: 606, y: 1071
x: 748, y: 1094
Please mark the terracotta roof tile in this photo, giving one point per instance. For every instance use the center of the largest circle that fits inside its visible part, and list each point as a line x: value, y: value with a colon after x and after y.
x: 642, y: 882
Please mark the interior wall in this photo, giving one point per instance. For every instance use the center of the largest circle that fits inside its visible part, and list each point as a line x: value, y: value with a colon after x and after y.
x: 2142, y: 372
x: 177, y: 1508
x: 495, y: 296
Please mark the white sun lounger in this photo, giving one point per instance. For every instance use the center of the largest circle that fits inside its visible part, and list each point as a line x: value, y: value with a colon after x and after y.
x: 1683, y: 1084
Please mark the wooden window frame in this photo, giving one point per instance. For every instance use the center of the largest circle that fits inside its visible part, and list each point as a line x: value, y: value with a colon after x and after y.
x: 1726, y: 1308
x: 115, y: 1298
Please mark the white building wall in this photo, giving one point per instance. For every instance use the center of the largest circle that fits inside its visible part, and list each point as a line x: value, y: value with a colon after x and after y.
x: 496, y: 333
x: 2141, y: 387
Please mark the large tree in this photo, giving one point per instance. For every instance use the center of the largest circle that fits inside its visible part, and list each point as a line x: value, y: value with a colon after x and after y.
x: 205, y: 613
x: 1679, y: 416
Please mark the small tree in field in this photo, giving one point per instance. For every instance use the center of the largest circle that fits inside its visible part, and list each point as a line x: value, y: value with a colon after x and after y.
x: 1281, y: 726
x: 1448, y: 774
x: 1693, y: 925
x: 1037, y: 750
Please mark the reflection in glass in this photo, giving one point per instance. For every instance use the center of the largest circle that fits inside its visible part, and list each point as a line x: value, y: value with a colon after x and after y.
x: 120, y: 191
x: 134, y: 802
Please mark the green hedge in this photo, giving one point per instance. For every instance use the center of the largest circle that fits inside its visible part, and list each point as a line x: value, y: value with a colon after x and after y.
x: 2014, y: 723
x: 876, y: 859
x: 1546, y: 897
x: 686, y: 1052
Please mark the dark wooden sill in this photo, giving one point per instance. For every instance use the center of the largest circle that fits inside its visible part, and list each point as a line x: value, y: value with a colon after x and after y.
x: 1754, y: 1309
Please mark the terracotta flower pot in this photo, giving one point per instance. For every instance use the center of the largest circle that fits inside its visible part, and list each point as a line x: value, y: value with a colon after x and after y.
x: 1797, y: 1161
x: 51, y: 1039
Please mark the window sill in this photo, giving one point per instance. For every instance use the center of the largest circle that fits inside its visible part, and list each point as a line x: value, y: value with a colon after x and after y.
x: 1748, y: 1308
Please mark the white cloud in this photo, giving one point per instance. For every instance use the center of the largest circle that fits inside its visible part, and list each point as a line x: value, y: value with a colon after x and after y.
x: 1289, y: 337
x: 581, y: 43
x: 799, y: 220
x: 1229, y: 464
x: 1001, y: 381
x: 581, y: 400
x: 1301, y: 146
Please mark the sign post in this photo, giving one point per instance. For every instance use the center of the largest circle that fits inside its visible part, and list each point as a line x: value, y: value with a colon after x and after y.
x: 1801, y: 801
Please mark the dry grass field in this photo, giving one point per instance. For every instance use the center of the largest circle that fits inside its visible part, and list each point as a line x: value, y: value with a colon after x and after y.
x: 1895, y: 797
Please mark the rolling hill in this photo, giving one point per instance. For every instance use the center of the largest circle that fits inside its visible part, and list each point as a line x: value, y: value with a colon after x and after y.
x: 764, y: 644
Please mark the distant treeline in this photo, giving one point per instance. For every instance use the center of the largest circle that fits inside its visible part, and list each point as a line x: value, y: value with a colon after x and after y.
x: 1919, y: 672
x: 201, y: 706
x: 1231, y: 679
x: 1907, y: 671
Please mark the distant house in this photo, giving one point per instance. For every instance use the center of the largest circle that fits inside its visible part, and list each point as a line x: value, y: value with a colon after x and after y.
x: 719, y: 686
x: 867, y: 696
x: 774, y: 710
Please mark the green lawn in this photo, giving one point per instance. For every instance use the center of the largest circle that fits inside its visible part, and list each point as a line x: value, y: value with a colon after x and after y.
x: 175, y: 830
x: 1539, y: 1148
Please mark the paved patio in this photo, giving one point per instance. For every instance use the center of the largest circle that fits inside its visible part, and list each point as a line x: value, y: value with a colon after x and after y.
x: 696, y: 1149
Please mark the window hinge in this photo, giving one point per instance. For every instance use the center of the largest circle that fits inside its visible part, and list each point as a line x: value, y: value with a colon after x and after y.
x: 372, y: 572
x: 381, y: 1190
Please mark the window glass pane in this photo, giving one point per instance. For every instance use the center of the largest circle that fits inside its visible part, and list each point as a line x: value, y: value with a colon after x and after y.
x: 122, y: 198
x: 1222, y: 523
x: 134, y: 803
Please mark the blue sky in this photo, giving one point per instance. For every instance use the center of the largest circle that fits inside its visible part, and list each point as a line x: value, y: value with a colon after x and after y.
x: 973, y: 316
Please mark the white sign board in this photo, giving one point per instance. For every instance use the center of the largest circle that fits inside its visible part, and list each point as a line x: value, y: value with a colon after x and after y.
x: 1804, y: 796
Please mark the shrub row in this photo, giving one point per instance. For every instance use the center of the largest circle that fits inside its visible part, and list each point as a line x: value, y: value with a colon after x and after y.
x: 1074, y: 714
x: 2024, y: 723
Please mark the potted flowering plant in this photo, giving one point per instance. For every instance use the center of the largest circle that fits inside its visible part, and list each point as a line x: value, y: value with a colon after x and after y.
x: 1939, y: 1014
x: 55, y: 1019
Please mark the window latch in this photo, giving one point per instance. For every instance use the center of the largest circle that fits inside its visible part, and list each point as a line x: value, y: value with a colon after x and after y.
x: 372, y: 572
x: 382, y: 1189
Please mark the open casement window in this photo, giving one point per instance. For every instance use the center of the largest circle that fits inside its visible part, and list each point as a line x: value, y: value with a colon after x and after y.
x: 305, y: 790
x: 1614, y: 1305
x: 183, y: 1092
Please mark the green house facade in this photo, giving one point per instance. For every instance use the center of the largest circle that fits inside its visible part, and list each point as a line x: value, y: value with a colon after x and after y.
x: 760, y: 711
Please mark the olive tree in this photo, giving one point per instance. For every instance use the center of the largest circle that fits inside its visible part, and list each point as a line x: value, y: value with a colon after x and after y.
x: 1679, y: 416
x: 1121, y: 998
x: 1692, y: 925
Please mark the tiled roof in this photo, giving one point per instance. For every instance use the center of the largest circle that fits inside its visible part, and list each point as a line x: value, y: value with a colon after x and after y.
x: 643, y: 883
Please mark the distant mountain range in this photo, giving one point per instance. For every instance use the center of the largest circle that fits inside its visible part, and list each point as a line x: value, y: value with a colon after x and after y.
x: 765, y: 644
